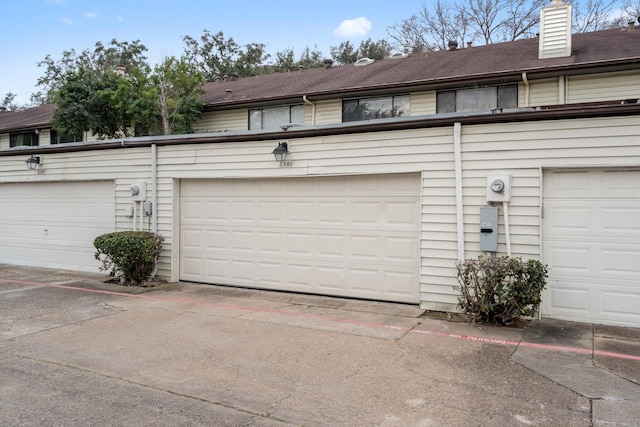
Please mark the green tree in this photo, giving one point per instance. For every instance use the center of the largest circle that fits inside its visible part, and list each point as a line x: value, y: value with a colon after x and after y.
x: 180, y: 89
x: 109, y: 105
x: 344, y: 53
x: 7, y: 101
x: 285, y: 60
x: 102, y: 58
x: 374, y: 50
x: 217, y: 57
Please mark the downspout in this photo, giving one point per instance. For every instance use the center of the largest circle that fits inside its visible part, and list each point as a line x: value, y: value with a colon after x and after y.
x: 313, y: 110
x: 527, y: 92
x: 507, y: 232
x: 457, y: 154
x: 562, y: 91
x: 154, y: 188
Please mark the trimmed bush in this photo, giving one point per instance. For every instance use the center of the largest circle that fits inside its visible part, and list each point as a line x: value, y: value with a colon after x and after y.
x: 500, y: 289
x: 130, y: 254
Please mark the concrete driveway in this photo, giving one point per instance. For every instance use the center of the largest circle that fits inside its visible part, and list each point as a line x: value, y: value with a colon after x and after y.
x: 77, y: 351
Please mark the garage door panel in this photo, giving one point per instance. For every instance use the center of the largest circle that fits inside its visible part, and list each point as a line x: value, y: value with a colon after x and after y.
x: 336, y: 236
x: 591, y: 242
x: 53, y: 224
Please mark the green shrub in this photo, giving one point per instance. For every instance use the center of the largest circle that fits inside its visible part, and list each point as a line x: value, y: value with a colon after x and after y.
x: 132, y: 254
x: 500, y: 289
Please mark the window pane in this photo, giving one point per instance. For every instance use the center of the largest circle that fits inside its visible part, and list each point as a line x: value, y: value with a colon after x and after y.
x: 255, y: 119
x: 62, y: 137
x: 27, y: 139
x: 508, y: 96
x: 401, y: 106
x: 350, y: 111
x: 297, y: 114
x: 377, y: 108
x: 478, y: 99
x: 446, y: 102
x: 272, y: 118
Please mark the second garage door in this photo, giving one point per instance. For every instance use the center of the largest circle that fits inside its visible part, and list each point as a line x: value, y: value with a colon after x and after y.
x: 591, y: 243
x: 53, y: 224
x: 354, y: 236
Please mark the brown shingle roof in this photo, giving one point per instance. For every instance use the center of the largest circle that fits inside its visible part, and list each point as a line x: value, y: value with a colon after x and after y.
x: 31, y: 118
x: 502, y: 60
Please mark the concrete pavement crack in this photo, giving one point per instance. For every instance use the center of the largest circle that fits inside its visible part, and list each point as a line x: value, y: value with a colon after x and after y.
x: 155, y: 388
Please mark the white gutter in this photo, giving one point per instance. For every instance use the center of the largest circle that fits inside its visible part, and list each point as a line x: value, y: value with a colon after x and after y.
x: 457, y: 154
x: 526, y: 89
x: 313, y: 111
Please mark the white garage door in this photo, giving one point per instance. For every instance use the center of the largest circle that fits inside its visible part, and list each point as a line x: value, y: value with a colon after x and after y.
x: 53, y: 224
x: 591, y: 242
x: 353, y: 236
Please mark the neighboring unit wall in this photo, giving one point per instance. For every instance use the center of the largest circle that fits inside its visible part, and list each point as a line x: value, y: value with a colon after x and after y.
x: 222, y: 121
x: 541, y: 92
x: 603, y: 87
x: 328, y: 112
x: 124, y: 166
x: 423, y: 103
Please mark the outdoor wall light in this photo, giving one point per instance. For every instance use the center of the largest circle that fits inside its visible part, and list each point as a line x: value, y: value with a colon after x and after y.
x: 33, y: 162
x: 281, y: 151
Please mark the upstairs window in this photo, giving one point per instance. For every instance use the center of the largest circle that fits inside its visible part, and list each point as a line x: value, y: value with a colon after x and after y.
x: 273, y: 118
x: 375, y: 108
x: 484, y: 98
x: 62, y: 137
x: 23, y: 139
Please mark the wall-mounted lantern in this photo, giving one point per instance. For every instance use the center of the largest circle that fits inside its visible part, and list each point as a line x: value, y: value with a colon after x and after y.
x: 281, y: 151
x: 33, y: 162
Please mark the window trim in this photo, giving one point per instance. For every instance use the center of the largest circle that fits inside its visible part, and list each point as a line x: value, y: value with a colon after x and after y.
x: 498, y: 88
x: 35, y: 138
x: 393, y: 102
x: 54, y: 133
x: 262, y: 109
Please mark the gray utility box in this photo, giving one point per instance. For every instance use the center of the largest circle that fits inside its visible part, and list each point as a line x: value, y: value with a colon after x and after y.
x: 489, y: 229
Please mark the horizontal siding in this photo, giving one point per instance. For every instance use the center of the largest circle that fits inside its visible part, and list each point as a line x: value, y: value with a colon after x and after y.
x: 423, y: 103
x: 541, y: 92
x: 603, y: 87
x: 222, y: 121
x: 518, y: 149
x: 328, y: 112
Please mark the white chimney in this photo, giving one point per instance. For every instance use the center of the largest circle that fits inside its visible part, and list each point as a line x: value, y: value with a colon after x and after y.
x: 555, y: 30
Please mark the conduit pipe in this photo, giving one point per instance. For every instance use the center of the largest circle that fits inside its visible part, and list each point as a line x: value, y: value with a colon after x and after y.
x: 154, y: 188
x: 457, y: 154
x: 313, y: 109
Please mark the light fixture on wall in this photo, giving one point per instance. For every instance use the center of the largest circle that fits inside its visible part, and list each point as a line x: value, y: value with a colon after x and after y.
x: 281, y: 151
x: 33, y: 162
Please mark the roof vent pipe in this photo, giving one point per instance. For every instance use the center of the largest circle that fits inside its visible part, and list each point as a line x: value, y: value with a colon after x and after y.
x: 453, y: 45
x: 328, y: 63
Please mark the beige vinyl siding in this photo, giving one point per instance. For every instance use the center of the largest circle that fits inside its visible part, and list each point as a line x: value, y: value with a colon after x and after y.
x: 423, y: 103
x: 518, y: 149
x: 603, y: 87
x: 221, y: 121
x: 4, y: 140
x: 328, y: 112
x: 124, y: 167
x: 541, y: 92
